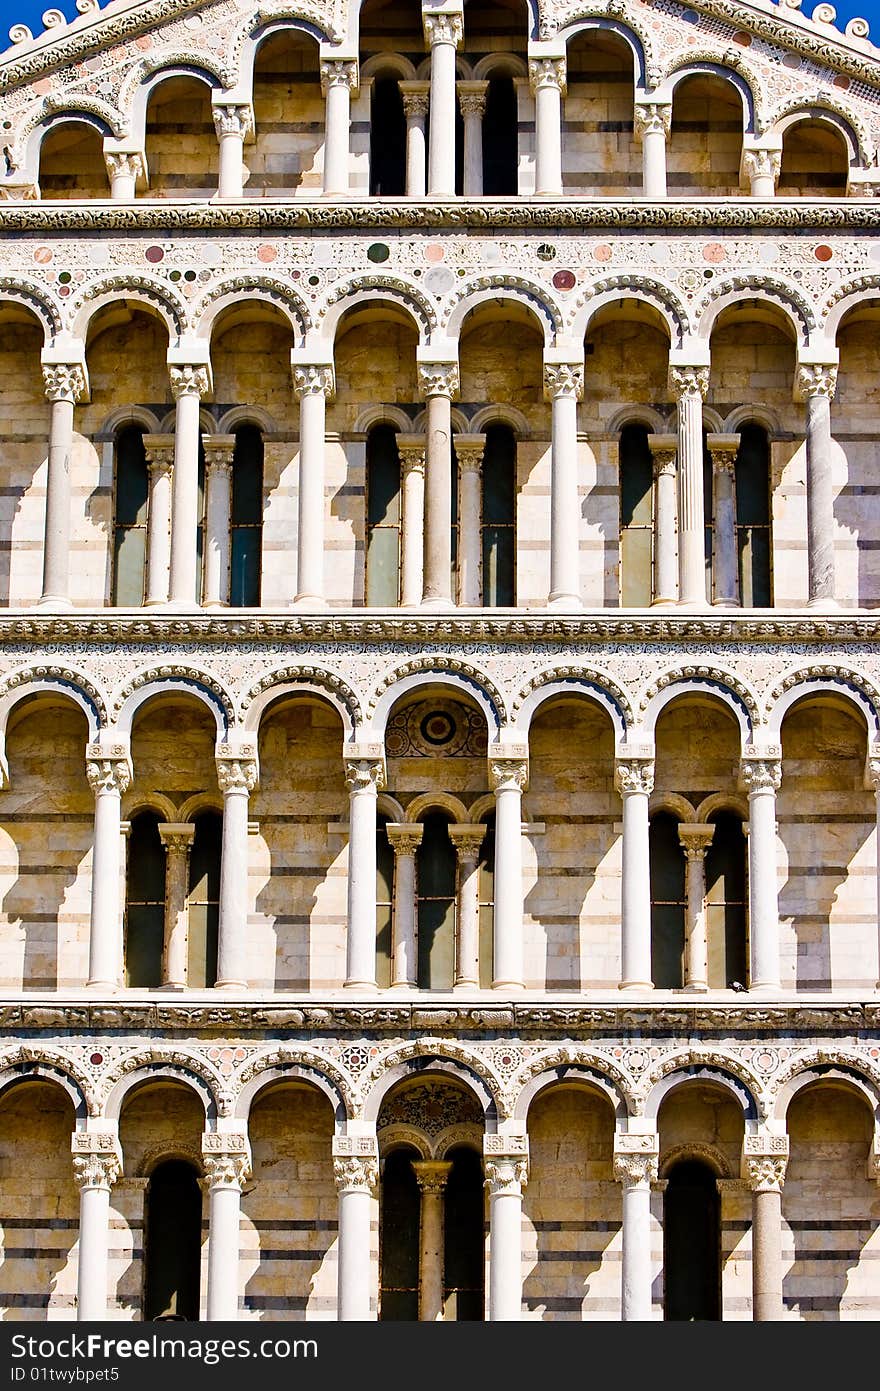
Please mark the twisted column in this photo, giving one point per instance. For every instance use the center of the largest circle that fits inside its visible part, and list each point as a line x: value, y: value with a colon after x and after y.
x: 233, y: 123
x: 664, y: 454
x: 108, y: 770
x: 506, y: 1166
x: 443, y: 34
x: 415, y: 109
x: 227, y: 1163
x: 363, y: 778
x: 690, y: 385
x: 564, y: 386
x: 548, y: 83
x: 159, y: 450
x: 219, y: 451
x: 507, y: 778
x: 405, y: 838
x: 411, y: 452
x: 472, y: 104
x: 237, y: 777
x: 339, y: 77
x: 467, y: 840
x: 761, y: 168
x: 469, y: 450
x: 725, y: 564
x: 188, y: 386
x: 312, y: 384
x: 356, y: 1175
x: 651, y: 122
x: 432, y: 1176
x: 438, y: 382
x: 177, y: 839
x: 695, y: 841
x: 761, y: 775
x: 634, y: 780
x: 635, y: 1169
x: 124, y: 168
x: 817, y: 383
x: 97, y: 1165
x: 65, y: 384
x: 764, y: 1162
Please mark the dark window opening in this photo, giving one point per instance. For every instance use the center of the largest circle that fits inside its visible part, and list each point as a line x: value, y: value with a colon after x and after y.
x: 753, y: 528
x: 384, y: 903
x: 247, y: 518
x: 636, y: 516
x: 387, y: 139
x: 500, y: 139
x: 172, y: 1242
x: 130, y: 518
x: 203, y: 900
x: 463, y: 1256
x: 383, y: 518
x: 668, y: 903
x: 436, y: 879
x: 400, y: 1210
x: 144, y: 926
x: 726, y: 902
x: 498, y: 481
x: 692, y: 1244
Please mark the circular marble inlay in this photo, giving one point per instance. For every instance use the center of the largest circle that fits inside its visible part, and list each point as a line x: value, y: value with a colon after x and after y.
x: 96, y: 1059
x: 434, y: 252
x: 43, y: 255
x: 439, y: 279
x: 546, y: 252
x: 602, y: 252
x: 564, y: 280
x: 713, y: 251
x: 378, y: 252
x: 154, y: 254
x: 823, y: 253
x: 266, y: 253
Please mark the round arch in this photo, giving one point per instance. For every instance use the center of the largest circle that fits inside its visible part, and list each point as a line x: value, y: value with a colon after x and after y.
x: 801, y: 686
x: 437, y: 801
x: 695, y: 66
x: 844, y: 298
x: 777, y: 294
x: 682, y: 1073
x: 277, y: 1070
x: 855, y: 140
x: 376, y: 289
x: 68, y: 685
x: 147, y: 684
x: 425, y: 673
x: 135, y: 95
x: 637, y: 42
x: 654, y: 293
x: 727, y: 690
x: 572, y: 1074
x: 151, y: 295
x: 423, y: 1058
x: 529, y: 295
x: 139, y: 1070
x: 16, y: 289
x: 502, y: 413
x: 274, y: 291
x: 811, y: 1072
x: 590, y: 686
x: 319, y: 684
x: 17, y: 1068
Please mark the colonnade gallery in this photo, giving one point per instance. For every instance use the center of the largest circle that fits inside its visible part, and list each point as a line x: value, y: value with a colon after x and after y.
x: 439, y: 684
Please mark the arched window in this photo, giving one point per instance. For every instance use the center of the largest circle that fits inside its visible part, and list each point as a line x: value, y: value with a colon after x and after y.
x: 435, y: 901
x: 726, y: 902
x: 399, y: 1214
x: 203, y: 900
x: 753, y: 527
x: 72, y: 162
x: 668, y: 902
x: 691, y: 1243
x: 500, y: 131
x: 246, y: 550
x: 463, y: 1256
x: 172, y: 1242
x: 144, y: 927
x: 636, y: 516
x: 384, y: 903
x: 131, y: 500
x: 387, y: 139
x: 498, y: 480
x: 383, y: 518
x: 487, y: 904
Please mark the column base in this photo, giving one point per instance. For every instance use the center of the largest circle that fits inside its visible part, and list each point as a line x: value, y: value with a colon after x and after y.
x: 662, y: 603
x: 172, y: 987
x: 726, y: 604
x: 308, y: 601
x: 156, y: 603
x: 508, y: 985
x: 635, y: 985
x: 108, y: 987
x: 568, y: 603
x: 366, y: 987
x: 823, y: 605
x: 765, y: 987
x: 230, y: 985
x: 468, y: 985
x: 697, y: 989
x: 182, y: 606
x: 54, y: 601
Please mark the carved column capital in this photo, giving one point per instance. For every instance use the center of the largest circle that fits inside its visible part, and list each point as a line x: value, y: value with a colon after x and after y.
x: 816, y: 379
x: 634, y: 775
x: 236, y: 773
x: 339, y: 72
x: 634, y: 1169
x: 762, y: 164
x: 219, y: 452
x: 432, y: 1175
x: 355, y: 1163
x: 443, y: 28
x: 404, y: 837
x: 127, y: 163
x: 467, y: 841
x: 506, y: 1175
x: 472, y: 97
x: 64, y: 381
x: 313, y: 379
x: 547, y: 72
x: 411, y: 450
x: 159, y: 451
x: 416, y: 98
x: 508, y: 773
x: 438, y: 379
x: 108, y: 768
x: 361, y: 774
x: 97, y: 1159
x: 764, y: 1173
x: 761, y: 774
x: 233, y: 120
x: 563, y: 379
x: 695, y: 840
x: 226, y: 1167
x: 689, y: 381
x: 723, y: 450
x: 651, y: 118
x: 469, y: 451
x: 177, y: 836
x: 189, y: 380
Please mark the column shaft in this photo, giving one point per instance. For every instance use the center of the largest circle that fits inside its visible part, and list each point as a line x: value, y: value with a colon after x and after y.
x: 636, y: 1252
x: 509, y: 777
x: 762, y: 780
x: 108, y: 780
x: 337, y: 79
x: 415, y: 106
x: 505, y: 1177
x: 312, y: 384
x: 469, y: 452
x: 695, y: 841
x: 184, y: 584
x: 64, y: 384
x: 237, y: 778
x: 548, y: 82
x: 444, y: 33
x: 218, y: 519
x: 437, y: 583
x: 224, y: 1216
x: 564, y: 383
x: 651, y: 126
x: 405, y: 839
x: 432, y: 1177
x: 177, y: 840
x: 160, y: 460
x: 232, y: 124
x: 691, y: 384
x: 467, y: 958
x: 818, y: 385
x: 725, y: 565
x: 412, y: 468
x: 634, y: 782
x: 362, y: 778
x: 94, y: 1223
x: 664, y: 450
x: 767, y: 1255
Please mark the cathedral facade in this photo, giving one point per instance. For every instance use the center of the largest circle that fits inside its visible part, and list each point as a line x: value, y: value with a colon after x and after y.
x: 439, y: 691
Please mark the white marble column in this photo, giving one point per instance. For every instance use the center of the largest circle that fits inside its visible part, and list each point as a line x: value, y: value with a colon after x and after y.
x: 405, y: 838
x: 467, y: 840
x: 411, y: 452
x: 564, y: 386
x: 547, y: 80
x: 356, y: 1175
x: 363, y: 777
x: 339, y: 78
x: 65, y: 384
x: 443, y: 34
x: 664, y: 454
x: 188, y: 386
x: 108, y: 770
x: 634, y: 779
x: 695, y: 841
x: 472, y: 104
x: 438, y: 382
x: 416, y: 96
x: 761, y: 168
x: 233, y: 123
x: 817, y: 383
x: 97, y: 1166
x: 237, y: 777
x: 761, y: 775
x: 651, y: 122
x: 469, y: 450
x: 508, y: 776
x: 506, y: 1165
x: 725, y: 562
x: 124, y: 168
x: 432, y: 1176
x: 227, y: 1162
x: 764, y: 1162
x: 159, y: 450
x: 635, y: 1168
x: 313, y: 384
x: 177, y: 839
x: 690, y: 385
x: 219, y: 451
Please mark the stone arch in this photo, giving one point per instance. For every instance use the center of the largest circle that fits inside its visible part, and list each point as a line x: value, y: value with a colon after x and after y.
x: 636, y: 37
x: 701, y: 680
x: 386, y: 805
x: 16, y: 289
x: 647, y: 289
x: 246, y: 415
x: 741, y: 415
x: 155, y: 802
x: 395, y: 64
x: 847, y: 295
x: 155, y: 1064
x: 265, y: 289
x: 730, y: 68
x: 201, y: 801
x: 395, y: 1137
x: 437, y: 801
x: 578, y: 682
x: 382, y: 415
x: 503, y: 413
x: 530, y: 295
x: 559, y: 1073
x: 271, y: 19
x: 709, y: 1154
x: 315, y: 681
x: 509, y: 64
x: 430, y: 1056
x: 151, y: 72
x: 721, y: 801
x: 796, y: 309
x: 97, y: 115
x: 295, y: 1064
x: 852, y: 687
x: 823, y: 108
x: 638, y: 414
x: 468, y: 1135
x: 61, y: 681
x: 131, y: 415
x: 423, y: 671
x: 141, y: 289
x: 707, y: 1066
x: 674, y: 803
x: 23, y: 1064
x: 821, y: 1065
x: 186, y: 680
x: 365, y: 289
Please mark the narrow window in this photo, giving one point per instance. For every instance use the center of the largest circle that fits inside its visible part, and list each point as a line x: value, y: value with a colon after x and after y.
x: 498, y: 479
x: 726, y: 902
x: 399, y: 1211
x: 667, y: 868
x: 384, y: 903
x: 487, y: 904
x: 753, y: 532
x: 130, y: 518
x: 203, y: 900
x: 708, y: 514
x: 247, y: 518
x: 500, y: 131
x: 387, y: 140
x: 201, y: 525
x: 144, y: 929
x: 436, y: 874
x: 692, y: 1244
x: 464, y: 1257
x: 636, y: 516
x: 383, y: 518
x: 172, y: 1242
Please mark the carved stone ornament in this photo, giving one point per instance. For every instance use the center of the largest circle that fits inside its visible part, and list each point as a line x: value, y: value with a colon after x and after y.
x: 438, y: 379
x: 634, y: 775
x: 233, y: 120
x: 432, y: 1175
x: 689, y: 381
x: 564, y: 379
x: 124, y: 163
x: 64, y: 381
x: 654, y: 118
x: 508, y: 773
x: 635, y: 1169
x: 443, y: 28
x: 97, y: 1161
x: 762, y: 164
x: 416, y: 99
x: 229, y: 1170
x: 107, y: 774
x: 816, y: 379
x: 355, y: 1173
x: 761, y: 774
x: 339, y: 72
x: 764, y: 1173
x: 411, y: 453
x: 189, y: 381
x: 404, y: 838
x: 313, y: 381
x: 236, y: 774
x: 506, y: 1175
x: 472, y: 97
x: 469, y: 456
x: 872, y: 773
x: 363, y: 774
x: 467, y: 841
x: 547, y: 72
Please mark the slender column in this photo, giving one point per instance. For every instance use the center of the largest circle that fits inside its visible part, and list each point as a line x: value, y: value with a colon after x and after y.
x: 363, y: 778
x: 564, y: 385
x: 339, y: 77
x: 635, y: 1168
x: 405, y: 838
x: 761, y: 168
x: 651, y: 123
x: 725, y: 565
x: 762, y: 774
x: 695, y: 841
x: 227, y: 1163
x: 124, y: 168
x: 177, y: 838
x: 188, y: 385
x: 764, y: 1163
x: 356, y: 1174
x: 109, y: 773
x: 411, y: 451
x: 415, y: 109
x: 431, y: 1176
x: 159, y: 450
x: 690, y: 385
x: 507, y: 1172
x: 65, y: 383
x: 439, y: 383
x: 547, y: 79
x: 96, y: 1167
x: 469, y: 450
x: 313, y: 384
x: 872, y: 779
x: 237, y: 776
x: 443, y: 33
x: 219, y: 450
x: 634, y: 778
x: 233, y: 124
x: 664, y: 453
x: 472, y: 104
x: 508, y: 777
x: 467, y: 841
x: 817, y: 384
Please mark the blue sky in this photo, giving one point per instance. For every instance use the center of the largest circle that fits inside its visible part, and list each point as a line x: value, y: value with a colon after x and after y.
x: 29, y: 12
